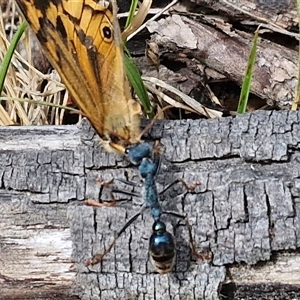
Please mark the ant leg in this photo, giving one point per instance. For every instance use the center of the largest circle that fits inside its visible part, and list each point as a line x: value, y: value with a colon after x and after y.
x: 95, y: 203
x: 188, y: 187
x: 112, y: 203
x: 91, y: 202
x: 105, y: 183
x: 99, y: 257
x: 174, y: 214
x: 202, y: 256
x: 126, y: 193
x: 127, y: 182
x: 130, y: 183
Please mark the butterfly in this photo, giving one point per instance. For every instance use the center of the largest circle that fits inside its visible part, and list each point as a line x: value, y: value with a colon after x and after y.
x: 82, y: 40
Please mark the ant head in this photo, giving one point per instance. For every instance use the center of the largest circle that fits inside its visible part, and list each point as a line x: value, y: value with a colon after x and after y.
x: 137, y: 152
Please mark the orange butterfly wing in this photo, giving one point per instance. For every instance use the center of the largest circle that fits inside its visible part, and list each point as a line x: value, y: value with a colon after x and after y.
x: 82, y: 40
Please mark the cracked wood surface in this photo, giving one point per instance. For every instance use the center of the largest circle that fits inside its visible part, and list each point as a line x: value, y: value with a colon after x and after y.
x: 245, y: 211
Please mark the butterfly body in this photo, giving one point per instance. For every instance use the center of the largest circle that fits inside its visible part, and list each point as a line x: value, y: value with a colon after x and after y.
x: 82, y: 41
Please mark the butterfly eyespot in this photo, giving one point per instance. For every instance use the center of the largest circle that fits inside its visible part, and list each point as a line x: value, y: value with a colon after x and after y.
x: 106, y: 33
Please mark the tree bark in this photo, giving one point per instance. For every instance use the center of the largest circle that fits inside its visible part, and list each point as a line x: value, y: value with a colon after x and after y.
x: 214, y: 38
x: 246, y: 212
x: 282, y: 13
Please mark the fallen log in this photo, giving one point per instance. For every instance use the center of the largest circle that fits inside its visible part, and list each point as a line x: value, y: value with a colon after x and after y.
x: 245, y: 212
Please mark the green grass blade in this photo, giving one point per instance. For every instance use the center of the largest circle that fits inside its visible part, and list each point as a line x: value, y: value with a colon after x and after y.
x: 132, y: 10
x: 136, y: 81
x: 243, y: 101
x: 297, y: 93
x: 10, y: 51
x: 132, y: 71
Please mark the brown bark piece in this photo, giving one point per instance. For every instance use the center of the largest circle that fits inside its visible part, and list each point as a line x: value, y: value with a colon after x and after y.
x: 214, y: 42
x: 283, y: 13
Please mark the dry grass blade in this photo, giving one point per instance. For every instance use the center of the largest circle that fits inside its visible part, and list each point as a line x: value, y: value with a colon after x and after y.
x: 4, y: 117
x: 167, y: 99
x: 138, y: 19
x: 13, y: 109
x: 140, y: 28
x: 192, y: 103
x: 24, y: 81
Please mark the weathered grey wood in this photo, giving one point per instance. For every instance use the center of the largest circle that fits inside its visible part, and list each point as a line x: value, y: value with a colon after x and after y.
x: 245, y: 210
